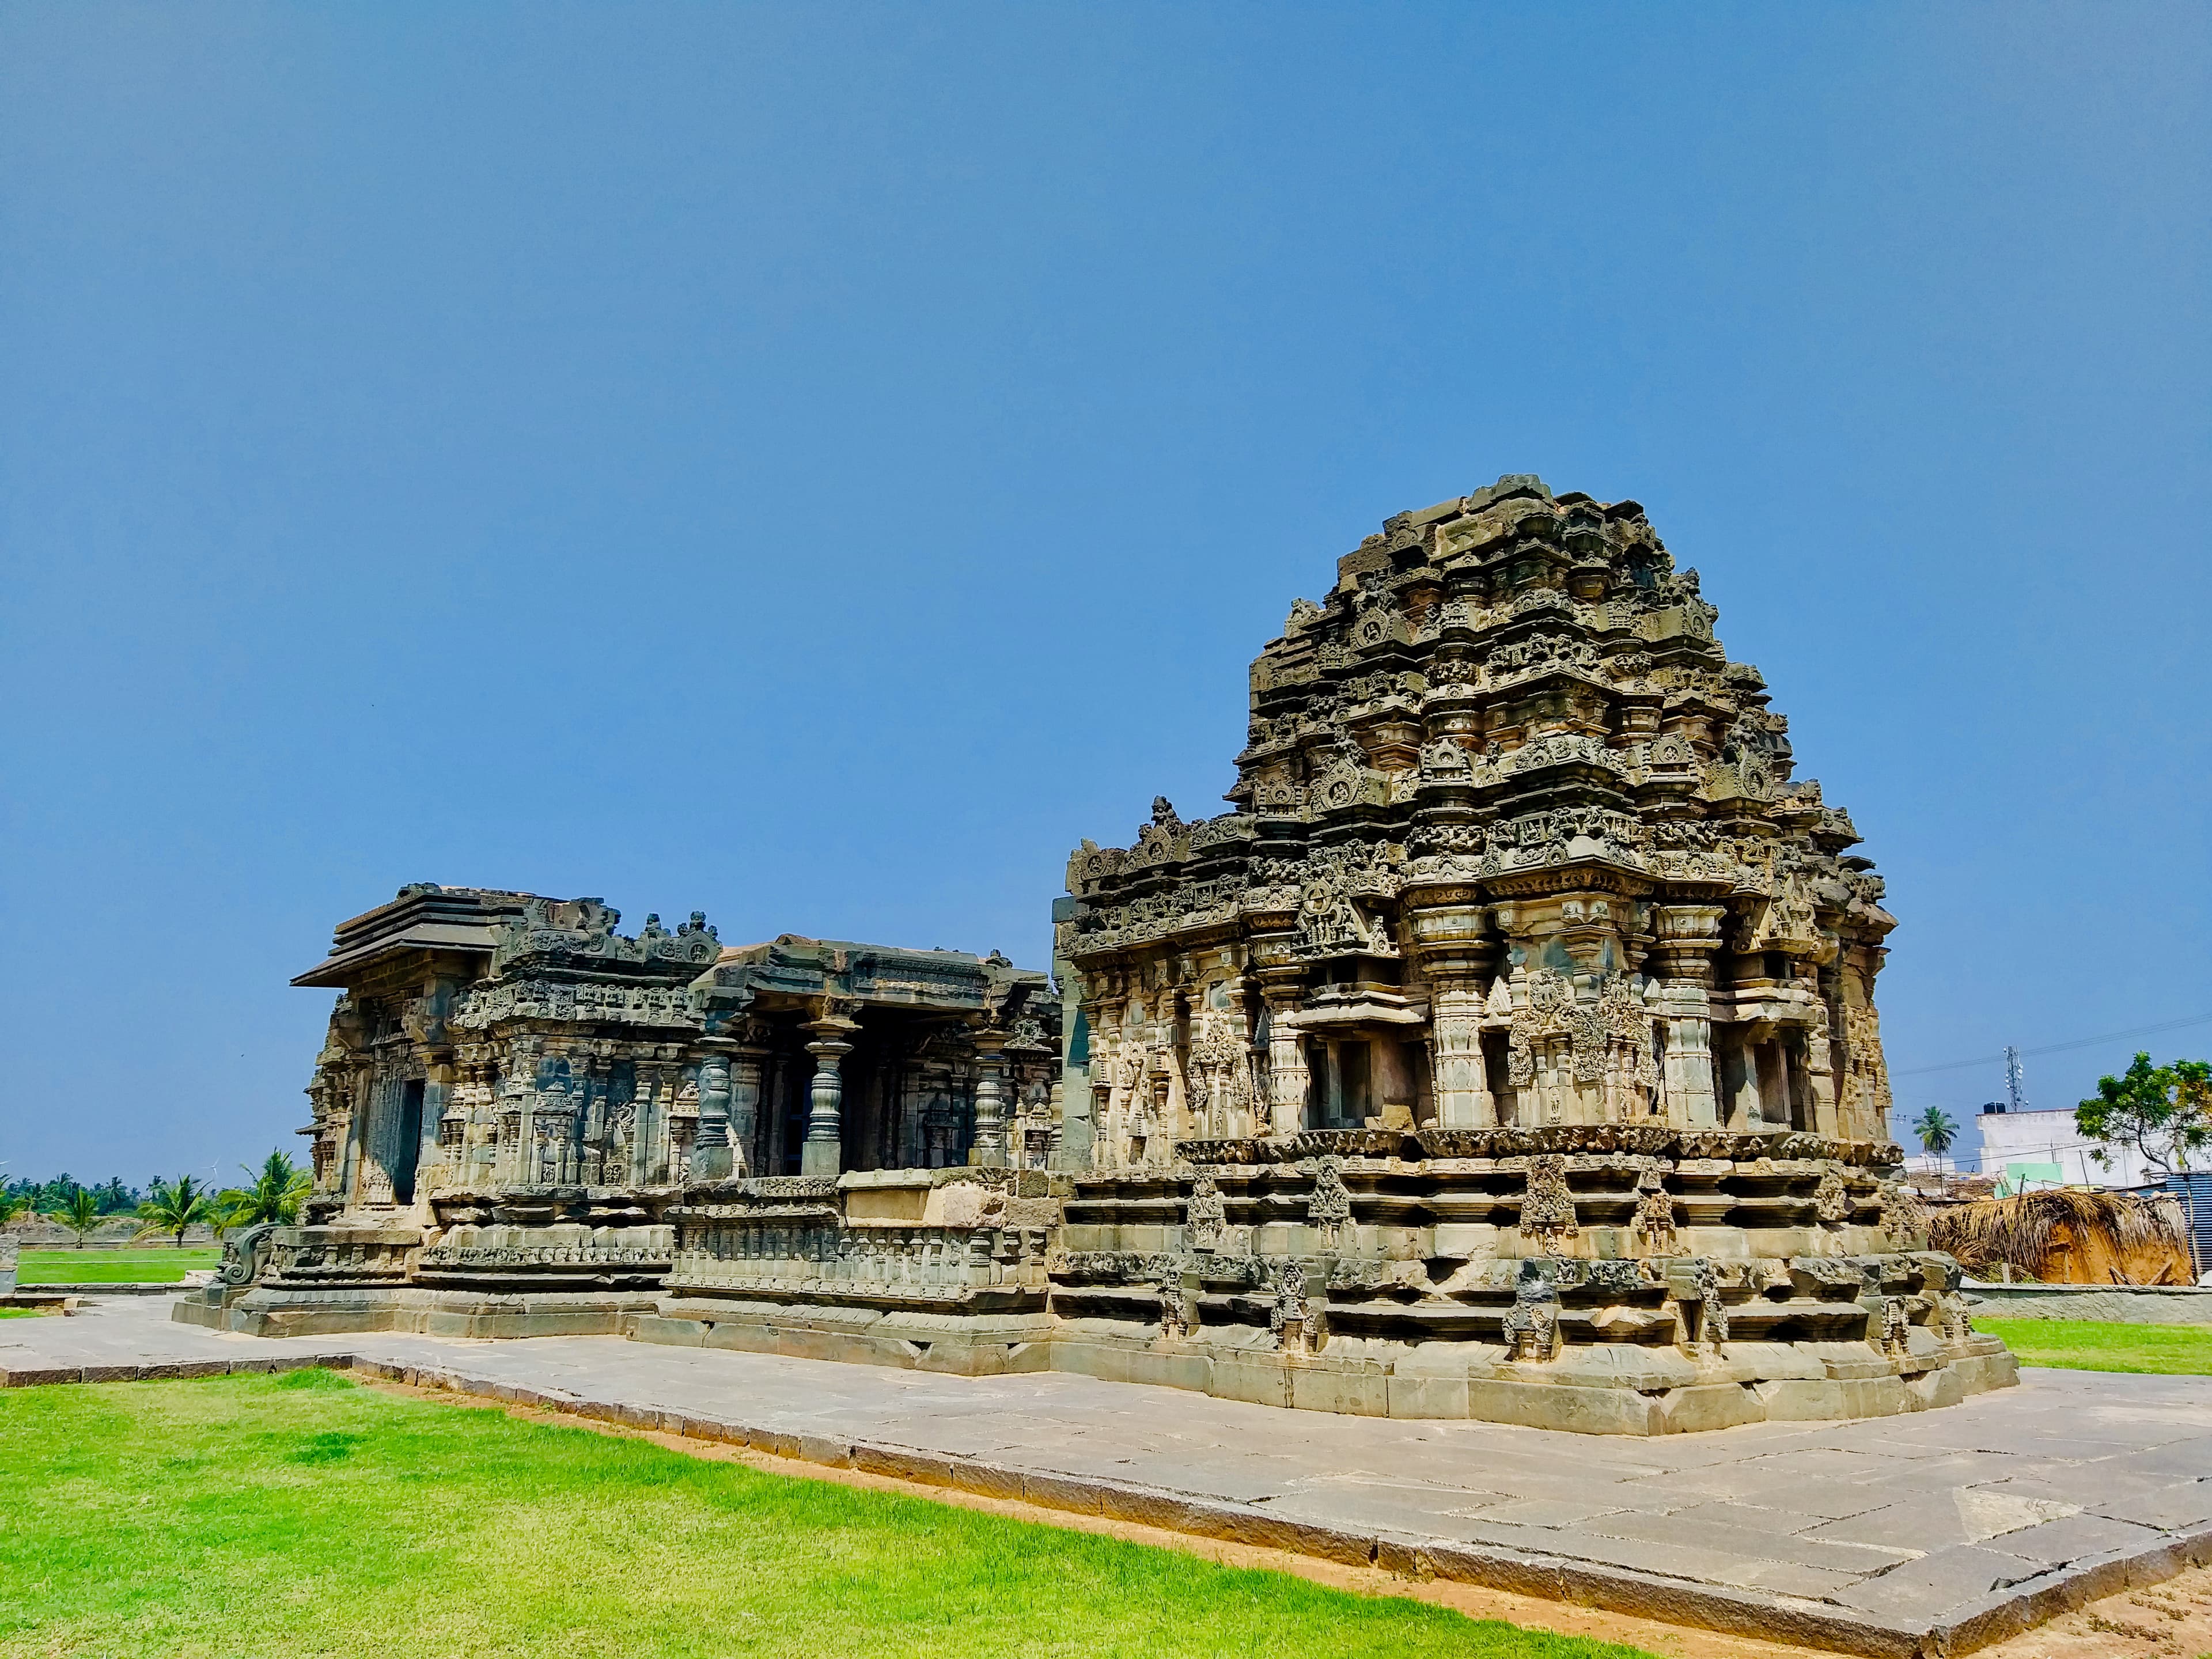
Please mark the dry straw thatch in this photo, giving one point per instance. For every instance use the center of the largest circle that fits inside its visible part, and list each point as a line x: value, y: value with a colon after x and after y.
x: 2069, y: 1236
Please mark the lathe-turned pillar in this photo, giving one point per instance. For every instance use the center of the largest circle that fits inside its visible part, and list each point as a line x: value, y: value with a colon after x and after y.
x: 988, y: 1148
x: 822, y: 1151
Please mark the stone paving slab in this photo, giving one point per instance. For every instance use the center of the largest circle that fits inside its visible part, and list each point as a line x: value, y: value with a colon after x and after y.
x: 1906, y: 1536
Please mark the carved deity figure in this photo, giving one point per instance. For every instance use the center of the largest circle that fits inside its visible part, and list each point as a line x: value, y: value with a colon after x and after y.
x: 1704, y: 1313
x: 1655, y: 1212
x: 1290, y: 1319
x: 1330, y: 1207
x: 1205, y: 1215
x: 1531, y: 1323
x: 1547, y: 1208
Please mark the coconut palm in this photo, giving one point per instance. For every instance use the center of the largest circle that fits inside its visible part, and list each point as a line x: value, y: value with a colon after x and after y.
x: 277, y: 1191
x: 15, y: 1205
x: 80, y: 1214
x: 1936, y: 1131
x: 172, y: 1209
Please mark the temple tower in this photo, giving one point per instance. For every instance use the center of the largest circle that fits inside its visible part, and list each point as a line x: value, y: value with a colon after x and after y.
x: 1514, y: 844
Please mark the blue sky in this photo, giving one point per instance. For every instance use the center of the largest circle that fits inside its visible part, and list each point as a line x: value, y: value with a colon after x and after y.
x: 815, y: 465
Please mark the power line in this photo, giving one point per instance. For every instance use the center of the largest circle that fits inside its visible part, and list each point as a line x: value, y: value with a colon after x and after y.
x: 2057, y: 1047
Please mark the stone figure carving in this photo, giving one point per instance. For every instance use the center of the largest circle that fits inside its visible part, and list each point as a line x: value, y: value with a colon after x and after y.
x: 1532, y: 1324
x: 1175, y: 1318
x: 1547, y: 1209
x: 1291, y: 1317
x: 1655, y: 1212
x: 1894, y: 1334
x: 1832, y: 1198
x: 1206, y: 1214
x: 1330, y: 1207
x: 1706, y: 1321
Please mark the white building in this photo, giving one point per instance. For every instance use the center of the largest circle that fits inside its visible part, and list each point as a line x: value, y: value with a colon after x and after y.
x: 2043, y: 1149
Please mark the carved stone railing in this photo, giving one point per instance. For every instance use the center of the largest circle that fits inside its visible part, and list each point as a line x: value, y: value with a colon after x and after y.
x: 756, y: 1251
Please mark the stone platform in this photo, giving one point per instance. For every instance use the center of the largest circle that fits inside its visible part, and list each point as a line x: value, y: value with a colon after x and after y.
x: 1933, y: 1533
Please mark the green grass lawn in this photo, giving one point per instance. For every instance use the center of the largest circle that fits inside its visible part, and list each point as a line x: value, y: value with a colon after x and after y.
x: 2087, y: 1345
x: 19, y: 1313
x: 304, y: 1514
x: 156, y: 1265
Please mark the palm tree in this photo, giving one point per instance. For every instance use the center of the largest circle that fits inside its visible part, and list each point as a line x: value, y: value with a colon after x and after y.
x: 172, y: 1209
x: 1936, y: 1131
x: 14, y: 1203
x: 276, y: 1193
x: 80, y: 1214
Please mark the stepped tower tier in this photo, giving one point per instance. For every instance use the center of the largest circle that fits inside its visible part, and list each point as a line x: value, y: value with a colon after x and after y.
x: 1515, y: 845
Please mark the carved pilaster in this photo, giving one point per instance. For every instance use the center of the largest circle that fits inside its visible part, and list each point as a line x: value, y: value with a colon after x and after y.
x: 1288, y: 1082
x: 1453, y: 940
x: 1686, y: 935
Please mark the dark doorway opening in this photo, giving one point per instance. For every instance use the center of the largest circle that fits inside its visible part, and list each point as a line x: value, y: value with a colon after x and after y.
x: 409, y: 1151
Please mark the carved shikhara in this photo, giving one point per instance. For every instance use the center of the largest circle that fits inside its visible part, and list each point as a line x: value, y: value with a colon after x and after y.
x: 1509, y: 1051
x: 1551, y: 994
x: 1514, y: 843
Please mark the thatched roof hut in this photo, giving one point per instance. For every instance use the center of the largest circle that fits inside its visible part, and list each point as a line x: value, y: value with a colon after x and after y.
x: 2070, y: 1235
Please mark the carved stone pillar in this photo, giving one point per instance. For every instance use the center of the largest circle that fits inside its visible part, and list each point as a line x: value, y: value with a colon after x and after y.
x: 745, y: 1068
x: 1686, y: 937
x: 989, y: 1145
x: 823, y: 1153
x: 712, y: 1156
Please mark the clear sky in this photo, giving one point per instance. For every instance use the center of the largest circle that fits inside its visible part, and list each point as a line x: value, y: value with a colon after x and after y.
x: 814, y: 464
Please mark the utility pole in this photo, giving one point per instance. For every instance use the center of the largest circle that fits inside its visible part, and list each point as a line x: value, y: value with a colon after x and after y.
x: 2015, y: 1084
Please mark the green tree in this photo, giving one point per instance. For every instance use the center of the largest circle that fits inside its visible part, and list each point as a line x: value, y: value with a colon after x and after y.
x: 172, y: 1209
x: 2162, y: 1113
x: 80, y: 1215
x: 14, y: 1204
x: 1936, y: 1130
x: 277, y: 1191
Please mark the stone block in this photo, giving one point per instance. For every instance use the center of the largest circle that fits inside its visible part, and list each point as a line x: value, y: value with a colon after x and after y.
x: 1796, y: 1401
x: 1062, y: 1491
x: 986, y: 1479
x: 1556, y: 1405
x: 672, y: 1333
x: 1351, y: 1393
x: 1427, y: 1396
x: 901, y: 1464
x: 1711, y: 1406
x: 824, y: 1449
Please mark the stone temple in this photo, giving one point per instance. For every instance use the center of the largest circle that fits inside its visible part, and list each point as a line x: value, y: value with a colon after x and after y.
x: 1509, y: 1050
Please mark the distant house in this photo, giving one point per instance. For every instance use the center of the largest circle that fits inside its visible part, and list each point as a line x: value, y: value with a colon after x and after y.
x: 2029, y: 1150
